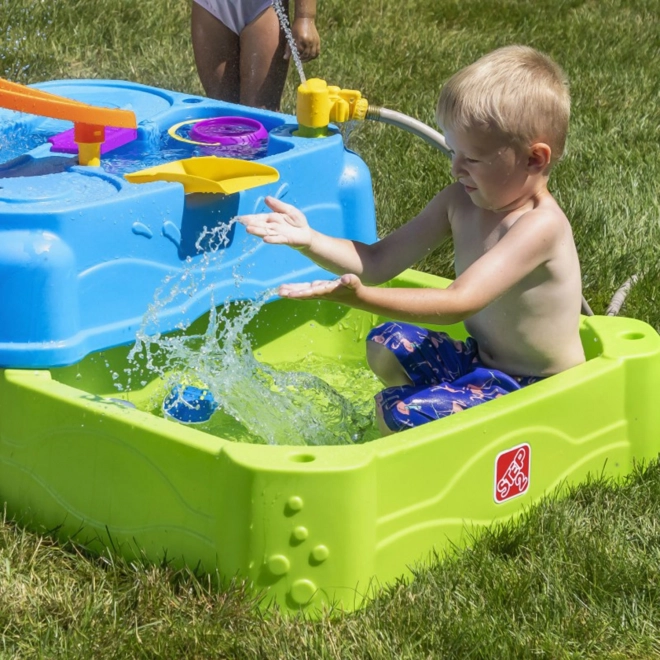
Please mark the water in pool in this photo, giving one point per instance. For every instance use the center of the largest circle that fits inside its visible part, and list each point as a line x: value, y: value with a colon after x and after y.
x: 314, y: 402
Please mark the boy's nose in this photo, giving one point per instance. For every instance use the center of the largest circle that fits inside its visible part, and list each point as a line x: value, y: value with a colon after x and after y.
x: 456, y: 166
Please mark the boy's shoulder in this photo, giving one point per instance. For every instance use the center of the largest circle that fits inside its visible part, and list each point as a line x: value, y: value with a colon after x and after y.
x: 545, y: 215
x: 544, y: 227
x: 543, y: 209
x: 540, y: 229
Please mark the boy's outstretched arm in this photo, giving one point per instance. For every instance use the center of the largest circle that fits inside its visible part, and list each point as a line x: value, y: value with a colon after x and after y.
x: 376, y: 263
x: 287, y: 225
x: 415, y: 305
x: 526, y: 246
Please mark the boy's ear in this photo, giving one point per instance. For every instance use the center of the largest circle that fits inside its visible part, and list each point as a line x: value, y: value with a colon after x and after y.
x: 539, y: 158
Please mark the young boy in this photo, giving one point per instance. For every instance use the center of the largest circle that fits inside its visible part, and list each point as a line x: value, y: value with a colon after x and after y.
x: 517, y: 286
x: 241, y: 52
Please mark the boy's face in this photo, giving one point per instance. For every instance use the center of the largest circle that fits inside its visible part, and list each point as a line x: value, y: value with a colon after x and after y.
x: 492, y: 172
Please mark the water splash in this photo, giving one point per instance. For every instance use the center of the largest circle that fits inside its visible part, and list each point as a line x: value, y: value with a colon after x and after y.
x: 284, y: 24
x: 272, y: 406
x: 346, y: 129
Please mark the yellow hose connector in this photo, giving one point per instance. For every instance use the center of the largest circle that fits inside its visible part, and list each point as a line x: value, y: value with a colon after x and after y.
x: 318, y: 104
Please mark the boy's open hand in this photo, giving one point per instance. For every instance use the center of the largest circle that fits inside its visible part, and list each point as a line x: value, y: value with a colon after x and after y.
x: 285, y: 226
x: 343, y: 290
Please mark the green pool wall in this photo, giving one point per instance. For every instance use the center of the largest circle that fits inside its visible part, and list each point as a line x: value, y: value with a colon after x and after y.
x: 313, y: 526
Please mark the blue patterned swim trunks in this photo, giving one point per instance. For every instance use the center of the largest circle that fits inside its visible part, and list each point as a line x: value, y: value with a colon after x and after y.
x: 447, y: 376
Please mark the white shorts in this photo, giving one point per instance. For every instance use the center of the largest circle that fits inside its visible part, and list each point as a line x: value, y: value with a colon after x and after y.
x: 235, y: 14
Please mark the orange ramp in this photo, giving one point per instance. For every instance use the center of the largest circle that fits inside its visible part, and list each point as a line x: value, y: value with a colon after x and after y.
x: 89, y: 120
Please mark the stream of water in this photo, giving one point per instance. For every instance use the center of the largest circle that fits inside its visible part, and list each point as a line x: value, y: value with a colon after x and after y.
x: 284, y: 24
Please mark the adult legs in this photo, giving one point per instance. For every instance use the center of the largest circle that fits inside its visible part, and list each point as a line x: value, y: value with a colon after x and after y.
x: 217, y: 56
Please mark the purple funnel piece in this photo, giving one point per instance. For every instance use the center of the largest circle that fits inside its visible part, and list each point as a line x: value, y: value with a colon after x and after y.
x: 228, y: 130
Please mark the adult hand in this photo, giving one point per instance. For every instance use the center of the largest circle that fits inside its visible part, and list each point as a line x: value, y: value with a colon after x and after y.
x: 307, y: 39
x: 344, y: 290
x: 286, y: 225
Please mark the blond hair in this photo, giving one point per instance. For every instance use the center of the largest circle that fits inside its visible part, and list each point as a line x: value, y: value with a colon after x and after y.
x: 515, y: 90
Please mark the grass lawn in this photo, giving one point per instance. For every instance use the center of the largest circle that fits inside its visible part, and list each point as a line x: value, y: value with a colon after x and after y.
x: 577, y: 576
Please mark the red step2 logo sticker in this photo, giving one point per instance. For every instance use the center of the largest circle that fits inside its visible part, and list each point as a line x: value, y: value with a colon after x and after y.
x: 512, y: 473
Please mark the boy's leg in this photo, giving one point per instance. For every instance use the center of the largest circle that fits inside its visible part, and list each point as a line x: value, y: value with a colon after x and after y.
x: 384, y: 429
x: 443, y: 376
x: 263, y: 67
x: 407, y: 358
x: 217, y: 55
x: 398, y: 408
x: 405, y: 354
x: 386, y: 366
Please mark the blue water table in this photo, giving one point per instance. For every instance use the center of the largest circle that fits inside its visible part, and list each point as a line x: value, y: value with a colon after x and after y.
x: 89, y: 234
x: 83, y: 249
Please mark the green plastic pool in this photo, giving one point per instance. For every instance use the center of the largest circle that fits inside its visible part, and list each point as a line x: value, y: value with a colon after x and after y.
x: 318, y: 525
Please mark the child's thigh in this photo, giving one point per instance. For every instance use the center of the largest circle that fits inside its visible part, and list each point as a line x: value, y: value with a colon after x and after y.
x: 217, y: 55
x: 263, y: 67
x: 427, y: 356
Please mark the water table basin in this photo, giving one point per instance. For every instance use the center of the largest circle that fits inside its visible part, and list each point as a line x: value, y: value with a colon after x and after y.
x: 315, y: 525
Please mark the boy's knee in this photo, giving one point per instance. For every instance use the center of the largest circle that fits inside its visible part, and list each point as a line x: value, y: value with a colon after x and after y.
x: 385, y: 365
x: 380, y: 332
x: 380, y: 421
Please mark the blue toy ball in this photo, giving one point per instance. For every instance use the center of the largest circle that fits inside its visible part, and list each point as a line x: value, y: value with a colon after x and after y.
x: 189, y: 404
